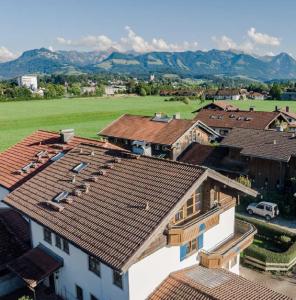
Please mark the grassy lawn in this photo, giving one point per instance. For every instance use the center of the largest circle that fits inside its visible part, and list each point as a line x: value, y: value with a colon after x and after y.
x: 88, y: 115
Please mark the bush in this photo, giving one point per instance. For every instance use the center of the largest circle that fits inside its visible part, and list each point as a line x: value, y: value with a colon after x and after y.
x: 186, y: 100
x: 285, y: 240
x: 244, y: 181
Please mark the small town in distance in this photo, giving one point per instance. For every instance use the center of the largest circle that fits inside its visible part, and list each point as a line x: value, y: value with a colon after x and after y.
x: 156, y: 160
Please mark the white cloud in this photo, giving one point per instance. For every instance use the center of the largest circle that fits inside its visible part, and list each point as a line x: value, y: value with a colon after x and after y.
x: 226, y: 43
x: 6, y: 55
x: 132, y: 41
x: 262, y: 38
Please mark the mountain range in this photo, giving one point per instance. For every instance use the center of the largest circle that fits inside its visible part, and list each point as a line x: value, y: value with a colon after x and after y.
x: 185, y: 64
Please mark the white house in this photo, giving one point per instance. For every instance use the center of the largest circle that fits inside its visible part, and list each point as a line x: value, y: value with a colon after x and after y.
x: 28, y: 81
x: 113, y: 225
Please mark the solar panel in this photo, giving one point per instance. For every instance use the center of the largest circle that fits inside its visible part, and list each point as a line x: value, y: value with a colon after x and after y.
x: 57, y: 156
x: 60, y: 197
x: 80, y: 167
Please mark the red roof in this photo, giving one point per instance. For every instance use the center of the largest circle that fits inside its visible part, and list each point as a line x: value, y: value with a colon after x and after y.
x: 237, y: 119
x: 25, y: 152
x: 147, y: 129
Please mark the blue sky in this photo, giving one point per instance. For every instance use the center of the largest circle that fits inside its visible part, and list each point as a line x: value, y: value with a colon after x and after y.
x: 261, y: 27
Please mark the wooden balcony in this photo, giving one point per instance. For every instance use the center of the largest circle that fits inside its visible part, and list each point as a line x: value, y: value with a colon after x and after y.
x: 189, y: 229
x: 242, y: 238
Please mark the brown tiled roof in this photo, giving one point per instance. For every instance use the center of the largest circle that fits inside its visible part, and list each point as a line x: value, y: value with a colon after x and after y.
x: 122, y: 208
x: 199, y: 283
x: 288, y: 113
x: 220, y: 105
x: 214, y: 157
x: 228, y: 92
x: 238, y: 119
x: 266, y: 144
x: 34, y: 266
x: 14, y: 235
x: 24, y: 152
x: 143, y: 128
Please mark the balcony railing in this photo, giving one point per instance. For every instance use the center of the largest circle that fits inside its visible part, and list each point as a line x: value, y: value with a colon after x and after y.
x: 243, y: 236
x: 186, y: 231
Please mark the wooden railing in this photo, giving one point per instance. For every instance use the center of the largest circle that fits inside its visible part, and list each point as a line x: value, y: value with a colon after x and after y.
x: 242, y: 238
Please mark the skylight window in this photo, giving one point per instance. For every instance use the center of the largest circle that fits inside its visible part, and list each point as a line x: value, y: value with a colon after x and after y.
x: 60, y: 197
x: 80, y: 167
x: 57, y: 156
x: 27, y: 167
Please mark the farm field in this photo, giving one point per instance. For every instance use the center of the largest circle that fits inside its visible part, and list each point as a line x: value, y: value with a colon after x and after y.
x: 88, y: 115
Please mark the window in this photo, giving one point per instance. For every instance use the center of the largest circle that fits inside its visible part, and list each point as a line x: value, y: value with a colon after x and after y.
x: 94, y: 265
x: 58, y: 241
x: 260, y: 206
x: 79, y: 292
x: 47, y: 235
x: 117, y: 279
x: 66, y: 246
x: 92, y: 297
x: 179, y: 215
x: 189, y: 207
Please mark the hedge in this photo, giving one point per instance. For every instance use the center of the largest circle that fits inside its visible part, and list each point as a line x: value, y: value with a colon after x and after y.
x: 273, y: 232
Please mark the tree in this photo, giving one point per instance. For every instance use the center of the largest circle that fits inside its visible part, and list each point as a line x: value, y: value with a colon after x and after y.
x: 75, y: 89
x: 142, y: 92
x: 275, y: 92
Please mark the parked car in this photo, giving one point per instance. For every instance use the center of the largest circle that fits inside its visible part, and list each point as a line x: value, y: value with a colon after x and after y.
x: 268, y: 210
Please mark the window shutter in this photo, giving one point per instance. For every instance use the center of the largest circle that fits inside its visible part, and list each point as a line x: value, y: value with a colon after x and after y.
x: 182, y: 252
x: 200, y: 240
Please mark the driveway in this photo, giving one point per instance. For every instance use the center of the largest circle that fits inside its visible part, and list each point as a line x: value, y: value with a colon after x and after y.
x: 280, y: 283
x: 281, y: 222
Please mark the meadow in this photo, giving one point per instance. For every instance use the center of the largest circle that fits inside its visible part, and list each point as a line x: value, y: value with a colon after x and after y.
x: 88, y: 115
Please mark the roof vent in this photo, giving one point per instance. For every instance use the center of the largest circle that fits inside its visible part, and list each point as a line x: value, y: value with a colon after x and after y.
x: 117, y: 159
x: 80, y: 167
x: 41, y: 154
x: 109, y: 166
x: 92, y: 153
x: 55, y: 206
x: 232, y: 116
x: 274, y: 142
x: 102, y: 172
x: 94, y: 178
x: 248, y: 119
x: 27, y: 167
x: 73, y: 179
x: 81, y: 151
x: 147, y: 206
x: 66, y: 135
x: 86, y: 187
x: 77, y: 192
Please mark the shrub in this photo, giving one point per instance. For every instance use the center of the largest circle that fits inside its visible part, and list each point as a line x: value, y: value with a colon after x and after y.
x: 285, y: 240
x: 186, y: 100
x: 244, y: 181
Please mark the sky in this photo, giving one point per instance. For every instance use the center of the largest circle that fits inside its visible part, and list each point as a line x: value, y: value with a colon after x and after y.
x: 258, y: 27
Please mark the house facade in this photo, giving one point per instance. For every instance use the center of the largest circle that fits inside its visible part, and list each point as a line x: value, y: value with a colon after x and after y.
x: 86, y: 213
x: 161, y: 135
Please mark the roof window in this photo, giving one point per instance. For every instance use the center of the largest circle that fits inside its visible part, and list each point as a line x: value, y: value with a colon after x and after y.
x: 80, y: 167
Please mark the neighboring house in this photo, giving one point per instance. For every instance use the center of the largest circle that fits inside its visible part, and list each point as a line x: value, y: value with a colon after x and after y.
x: 223, y: 121
x: 14, y: 242
x: 25, y: 159
x: 290, y: 116
x: 109, y: 224
x: 207, y: 284
x: 288, y: 95
x: 160, y: 135
x: 111, y: 90
x: 218, y: 105
x: 88, y: 90
x: 28, y: 81
x: 268, y: 157
x: 255, y: 96
x: 228, y: 94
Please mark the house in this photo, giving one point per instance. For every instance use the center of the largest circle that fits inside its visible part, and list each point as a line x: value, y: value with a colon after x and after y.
x: 288, y: 95
x: 291, y: 116
x: 111, y: 90
x: 88, y: 90
x: 228, y: 94
x: 28, y: 81
x: 218, y: 105
x: 25, y: 159
x: 223, y: 121
x: 201, y: 283
x: 15, y: 241
x: 255, y: 96
x: 103, y: 221
x: 159, y: 135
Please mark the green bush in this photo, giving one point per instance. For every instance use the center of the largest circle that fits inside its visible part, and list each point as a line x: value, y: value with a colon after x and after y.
x: 186, y: 100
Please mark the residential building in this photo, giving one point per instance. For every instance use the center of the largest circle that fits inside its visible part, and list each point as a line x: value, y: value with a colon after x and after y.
x: 28, y: 81
x: 255, y: 96
x: 111, y: 90
x: 88, y: 90
x: 103, y: 221
x: 25, y: 159
x: 159, y: 135
x: 207, y: 284
x: 267, y: 158
x: 223, y: 121
x: 218, y: 105
x: 290, y: 116
x: 228, y: 94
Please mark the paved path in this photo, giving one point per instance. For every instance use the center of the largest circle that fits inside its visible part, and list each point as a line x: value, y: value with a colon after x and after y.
x: 283, y: 223
x: 282, y: 284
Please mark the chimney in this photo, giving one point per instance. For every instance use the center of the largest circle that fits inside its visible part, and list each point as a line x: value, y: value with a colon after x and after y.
x: 287, y: 108
x: 252, y: 108
x: 158, y: 115
x: 66, y: 135
x: 177, y: 116
x: 274, y: 142
x: 276, y: 108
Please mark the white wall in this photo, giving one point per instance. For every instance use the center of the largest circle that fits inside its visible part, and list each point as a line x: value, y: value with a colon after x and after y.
x: 147, y: 274
x: 75, y: 271
x: 3, y: 193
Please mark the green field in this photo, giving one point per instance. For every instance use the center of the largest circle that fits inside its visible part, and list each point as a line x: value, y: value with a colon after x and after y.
x: 88, y: 115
